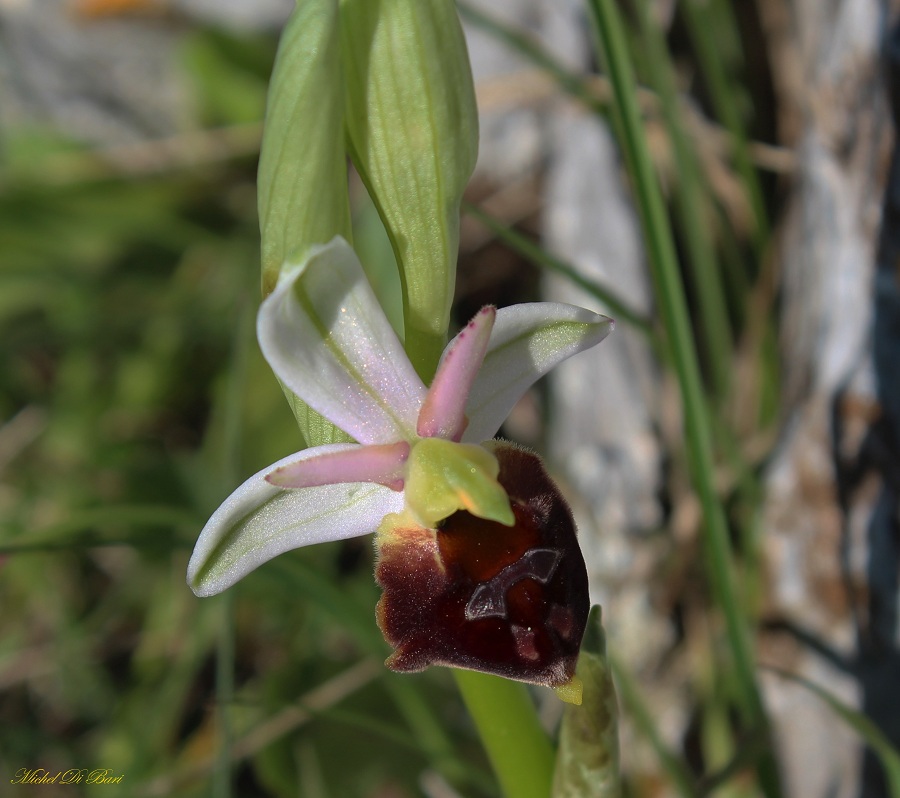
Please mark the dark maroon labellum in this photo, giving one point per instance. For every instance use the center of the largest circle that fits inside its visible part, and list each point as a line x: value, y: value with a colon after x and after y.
x: 511, y: 601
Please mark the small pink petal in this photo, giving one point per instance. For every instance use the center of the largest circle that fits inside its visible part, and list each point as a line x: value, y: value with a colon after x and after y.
x: 443, y: 411
x: 381, y: 463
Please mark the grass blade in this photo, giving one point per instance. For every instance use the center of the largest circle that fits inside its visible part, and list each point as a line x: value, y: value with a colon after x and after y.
x: 520, y: 43
x: 619, y: 308
x: 701, y: 24
x: 692, y: 210
x: 673, y: 309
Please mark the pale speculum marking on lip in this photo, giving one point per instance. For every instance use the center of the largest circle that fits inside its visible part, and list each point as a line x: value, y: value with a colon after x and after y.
x: 489, y: 598
x: 525, y: 642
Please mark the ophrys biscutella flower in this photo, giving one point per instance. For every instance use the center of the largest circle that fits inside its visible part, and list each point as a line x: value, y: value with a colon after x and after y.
x: 477, y: 551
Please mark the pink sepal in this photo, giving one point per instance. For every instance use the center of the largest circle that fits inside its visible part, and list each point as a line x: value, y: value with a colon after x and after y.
x: 380, y: 463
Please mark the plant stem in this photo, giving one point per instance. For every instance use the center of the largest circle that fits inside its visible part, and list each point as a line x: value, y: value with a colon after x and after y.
x: 700, y: 22
x: 692, y: 210
x: 674, y: 313
x: 221, y: 787
x: 518, y: 748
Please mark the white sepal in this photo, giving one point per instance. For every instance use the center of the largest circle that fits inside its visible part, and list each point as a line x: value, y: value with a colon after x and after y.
x: 260, y: 521
x: 327, y: 339
x: 526, y: 342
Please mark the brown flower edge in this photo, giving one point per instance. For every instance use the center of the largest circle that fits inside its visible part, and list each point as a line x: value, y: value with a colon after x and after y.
x: 511, y: 601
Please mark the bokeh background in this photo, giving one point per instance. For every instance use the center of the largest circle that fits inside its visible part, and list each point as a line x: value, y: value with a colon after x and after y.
x: 133, y: 398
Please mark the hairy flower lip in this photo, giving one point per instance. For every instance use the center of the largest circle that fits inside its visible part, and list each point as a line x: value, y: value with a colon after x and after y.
x: 473, y: 594
x: 328, y: 341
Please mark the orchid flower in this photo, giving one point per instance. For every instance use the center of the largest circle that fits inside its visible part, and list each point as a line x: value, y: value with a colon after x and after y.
x: 469, y: 533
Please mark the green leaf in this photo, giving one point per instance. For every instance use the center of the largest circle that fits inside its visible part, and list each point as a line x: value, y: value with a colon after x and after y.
x: 371, y: 242
x: 587, y: 762
x: 302, y: 183
x: 516, y: 744
x: 303, y: 197
x: 412, y: 126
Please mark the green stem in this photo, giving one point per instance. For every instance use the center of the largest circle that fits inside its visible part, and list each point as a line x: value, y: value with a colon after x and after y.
x: 674, y: 313
x: 692, y: 212
x: 224, y: 697
x: 423, y: 346
x: 701, y: 22
x: 518, y: 748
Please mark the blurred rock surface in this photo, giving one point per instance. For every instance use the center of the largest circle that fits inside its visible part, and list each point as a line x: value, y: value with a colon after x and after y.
x: 107, y: 72
x: 821, y: 537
